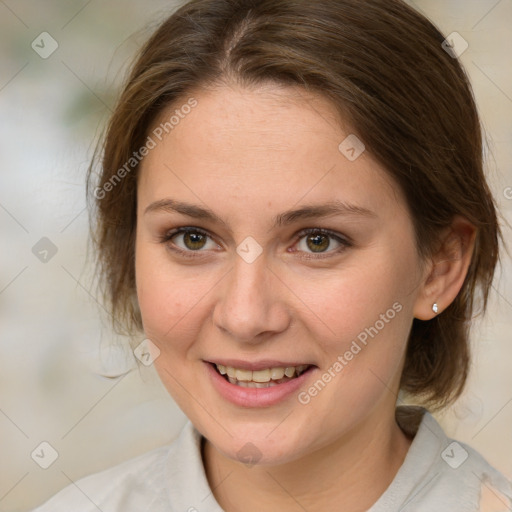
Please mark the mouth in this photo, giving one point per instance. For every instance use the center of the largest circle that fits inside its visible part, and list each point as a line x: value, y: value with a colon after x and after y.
x: 264, y: 378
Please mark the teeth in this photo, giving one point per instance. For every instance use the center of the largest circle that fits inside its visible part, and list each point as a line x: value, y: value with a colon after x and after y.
x: 260, y: 378
x: 276, y: 373
x: 243, y: 375
x: 254, y: 384
x: 290, y: 371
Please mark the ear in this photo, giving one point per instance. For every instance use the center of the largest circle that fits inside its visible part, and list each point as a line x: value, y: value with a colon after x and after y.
x: 445, y: 274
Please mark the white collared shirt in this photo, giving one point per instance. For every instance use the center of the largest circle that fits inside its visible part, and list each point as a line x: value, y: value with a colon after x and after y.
x: 437, y: 475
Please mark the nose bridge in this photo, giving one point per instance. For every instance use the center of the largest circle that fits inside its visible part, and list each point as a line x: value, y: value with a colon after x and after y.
x: 249, y: 303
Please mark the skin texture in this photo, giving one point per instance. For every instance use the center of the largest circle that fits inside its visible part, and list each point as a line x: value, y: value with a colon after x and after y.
x: 248, y: 155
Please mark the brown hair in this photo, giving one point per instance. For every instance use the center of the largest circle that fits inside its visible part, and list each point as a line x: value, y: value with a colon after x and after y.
x: 383, y: 67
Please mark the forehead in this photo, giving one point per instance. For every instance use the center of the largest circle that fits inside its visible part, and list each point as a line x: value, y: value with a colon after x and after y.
x: 274, y: 145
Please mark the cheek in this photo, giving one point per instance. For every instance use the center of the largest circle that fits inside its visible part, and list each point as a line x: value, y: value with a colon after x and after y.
x: 364, y: 317
x: 342, y: 303
x: 168, y: 296
x: 169, y: 301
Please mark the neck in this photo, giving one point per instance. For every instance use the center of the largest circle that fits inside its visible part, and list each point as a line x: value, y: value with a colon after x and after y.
x: 354, y: 471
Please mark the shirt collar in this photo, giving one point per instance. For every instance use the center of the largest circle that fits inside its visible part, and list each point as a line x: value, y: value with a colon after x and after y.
x: 189, y: 489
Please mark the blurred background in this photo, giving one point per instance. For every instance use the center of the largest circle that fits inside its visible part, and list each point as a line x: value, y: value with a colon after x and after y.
x: 65, y: 379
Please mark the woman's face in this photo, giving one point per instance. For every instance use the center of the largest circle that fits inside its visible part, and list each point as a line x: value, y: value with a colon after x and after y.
x: 246, y: 172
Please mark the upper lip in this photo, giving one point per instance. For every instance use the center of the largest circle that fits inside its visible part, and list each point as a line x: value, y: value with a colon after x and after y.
x: 256, y: 365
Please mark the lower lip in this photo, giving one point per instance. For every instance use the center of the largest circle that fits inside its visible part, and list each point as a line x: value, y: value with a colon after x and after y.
x: 255, y: 397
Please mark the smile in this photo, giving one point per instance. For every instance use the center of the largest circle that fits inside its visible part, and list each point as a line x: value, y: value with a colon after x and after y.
x: 264, y: 378
x: 258, y: 384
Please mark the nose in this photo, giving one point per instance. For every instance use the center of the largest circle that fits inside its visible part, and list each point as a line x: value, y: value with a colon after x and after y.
x: 250, y: 306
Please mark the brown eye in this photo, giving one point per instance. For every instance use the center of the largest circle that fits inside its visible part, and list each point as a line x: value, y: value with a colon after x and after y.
x: 188, y: 240
x: 194, y: 241
x: 318, y: 243
x: 317, y: 240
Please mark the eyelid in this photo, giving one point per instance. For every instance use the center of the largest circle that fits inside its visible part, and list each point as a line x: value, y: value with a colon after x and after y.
x: 344, y: 240
x: 168, y: 235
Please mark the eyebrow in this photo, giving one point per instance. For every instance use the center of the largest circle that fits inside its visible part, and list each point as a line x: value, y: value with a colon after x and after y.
x: 308, y: 211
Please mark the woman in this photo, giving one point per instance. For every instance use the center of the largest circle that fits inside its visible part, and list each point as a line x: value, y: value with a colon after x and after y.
x: 292, y: 210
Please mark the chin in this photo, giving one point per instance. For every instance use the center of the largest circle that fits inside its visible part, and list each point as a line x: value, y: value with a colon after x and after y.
x: 256, y: 444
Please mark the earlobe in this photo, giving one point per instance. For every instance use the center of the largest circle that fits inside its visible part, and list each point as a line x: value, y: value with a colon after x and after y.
x: 448, y: 270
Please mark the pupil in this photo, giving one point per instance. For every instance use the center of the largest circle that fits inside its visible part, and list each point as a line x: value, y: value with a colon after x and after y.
x: 195, y: 240
x: 317, y: 242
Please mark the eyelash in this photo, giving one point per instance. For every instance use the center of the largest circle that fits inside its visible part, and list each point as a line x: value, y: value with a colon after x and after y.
x: 344, y: 241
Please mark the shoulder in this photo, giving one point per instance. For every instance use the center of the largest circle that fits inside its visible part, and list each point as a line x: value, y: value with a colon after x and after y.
x: 449, y: 474
x: 110, y: 488
x: 484, y: 482
x: 138, y: 484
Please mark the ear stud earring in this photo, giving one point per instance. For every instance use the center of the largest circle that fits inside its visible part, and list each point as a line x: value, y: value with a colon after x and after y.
x: 435, y: 308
